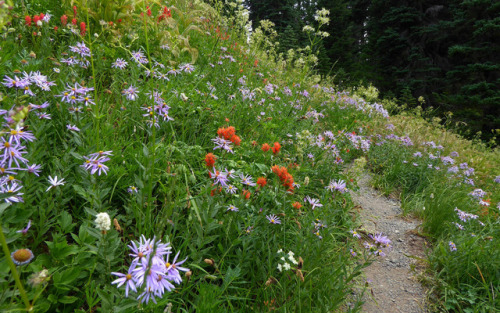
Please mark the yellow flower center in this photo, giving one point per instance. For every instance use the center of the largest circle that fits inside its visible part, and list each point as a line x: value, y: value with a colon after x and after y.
x: 22, y: 255
x: 128, y: 277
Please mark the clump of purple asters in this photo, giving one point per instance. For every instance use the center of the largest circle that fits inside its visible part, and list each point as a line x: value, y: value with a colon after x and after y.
x: 452, y: 246
x: 120, y: 63
x: 382, y: 244
x: 82, y: 53
x: 76, y: 94
x: 247, y: 180
x: 447, y: 160
x: 139, y: 57
x: 464, y: 217
x: 219, y: 177
x: 151, y: 271
x: 478, y: 193
x: 95, y: 162
x: 497, y: 179
x: 221, y: 143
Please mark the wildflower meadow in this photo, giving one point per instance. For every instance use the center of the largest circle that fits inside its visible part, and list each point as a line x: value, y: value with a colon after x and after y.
x: 160, y: 157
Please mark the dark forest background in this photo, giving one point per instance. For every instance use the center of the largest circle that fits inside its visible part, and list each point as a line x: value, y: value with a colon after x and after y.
x: 447, y: 52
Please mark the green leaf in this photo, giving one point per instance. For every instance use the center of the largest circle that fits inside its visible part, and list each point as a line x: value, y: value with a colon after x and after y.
x: 3, y: 206
x: 68, y: 299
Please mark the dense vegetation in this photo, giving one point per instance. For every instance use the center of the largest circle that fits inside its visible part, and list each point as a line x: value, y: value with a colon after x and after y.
x: 446, y: 52
x: 165, y: 151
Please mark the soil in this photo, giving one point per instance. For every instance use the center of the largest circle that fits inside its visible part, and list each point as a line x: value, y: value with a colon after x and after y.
x: 392, y: 286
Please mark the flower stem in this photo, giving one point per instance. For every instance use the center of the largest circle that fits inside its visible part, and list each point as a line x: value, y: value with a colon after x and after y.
x: 13, y: 269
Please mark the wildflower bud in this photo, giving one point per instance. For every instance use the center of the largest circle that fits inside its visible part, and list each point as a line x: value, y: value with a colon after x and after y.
x: 209, y: 262
x: 306, y: 181
x: 300, y: 275
x: 103, y: 222
x: 32, y: 55
x: 301, y: 263
x: 117, y: 225
x: 39, y: 278
x: 271, y: 281
x: 298, y: 224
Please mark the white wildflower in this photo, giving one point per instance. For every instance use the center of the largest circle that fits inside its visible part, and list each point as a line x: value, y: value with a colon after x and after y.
x: 103, y: 222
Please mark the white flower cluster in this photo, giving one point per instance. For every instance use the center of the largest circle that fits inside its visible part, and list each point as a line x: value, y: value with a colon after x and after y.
x: 308, y: 29
x: 103, y: 222
x: 322, y: 16
x: 286, y: 257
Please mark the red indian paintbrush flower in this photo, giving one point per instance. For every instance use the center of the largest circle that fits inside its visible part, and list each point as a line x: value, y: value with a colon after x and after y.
x: 261, y: 181
x: 210, y: 160
x: 265, y: 147
x: 83, y: 28
x: 64, y: 20
x: 276, y: 147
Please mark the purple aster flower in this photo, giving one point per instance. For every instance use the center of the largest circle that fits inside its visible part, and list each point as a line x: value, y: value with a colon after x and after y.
x: 24, y: 231
x: 478, y: 193
x: 72, y: 127
x: 355, y: 234
x: 313, y: 202
x: 231, y: 189
x: 126, y: 279
x: 447, y: 160
x: 453, y: 247
x: 43, y: 115
x: 139, y: 57
x: 120, y: 63
x: 221, y: 143
x: 247, y: 180
x: 15, y: 82
x: 232, y: 208
x: 132, y: 189
x: 339, y: 185
x: 273, y: 219
x: 497, y: 179
x: 174, y: 268
x: 219, y: 177
x: 54, y: 182
x: 464, y: 217
x: 12, y: 191
x: 381, y: 240
x: 132, y: 93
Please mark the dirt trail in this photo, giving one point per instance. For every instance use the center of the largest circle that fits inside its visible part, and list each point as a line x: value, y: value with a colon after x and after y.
x: 392, y: 287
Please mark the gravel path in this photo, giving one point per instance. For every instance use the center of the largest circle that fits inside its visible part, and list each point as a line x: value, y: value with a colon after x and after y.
x: 392, y: 287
